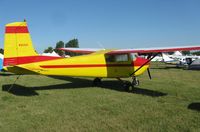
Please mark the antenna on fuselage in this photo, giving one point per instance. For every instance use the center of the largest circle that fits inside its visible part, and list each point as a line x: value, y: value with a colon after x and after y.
x: 101, y: 45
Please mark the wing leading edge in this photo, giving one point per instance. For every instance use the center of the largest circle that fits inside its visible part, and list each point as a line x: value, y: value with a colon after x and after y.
x: 139, y: 50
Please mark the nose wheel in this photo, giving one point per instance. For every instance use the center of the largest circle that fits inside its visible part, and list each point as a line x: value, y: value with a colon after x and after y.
x: 129, y: 86
x: 135, y: 81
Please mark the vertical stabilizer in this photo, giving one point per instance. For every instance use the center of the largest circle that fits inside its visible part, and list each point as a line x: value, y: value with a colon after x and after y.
x: 17, y: 43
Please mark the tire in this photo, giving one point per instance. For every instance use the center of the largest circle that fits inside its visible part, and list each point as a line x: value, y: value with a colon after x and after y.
x: 128, y: 86
x: 97, y: 82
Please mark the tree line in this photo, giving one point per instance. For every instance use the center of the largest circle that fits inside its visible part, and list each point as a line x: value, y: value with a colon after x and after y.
x: 60, y: 44
x: 75, y: 44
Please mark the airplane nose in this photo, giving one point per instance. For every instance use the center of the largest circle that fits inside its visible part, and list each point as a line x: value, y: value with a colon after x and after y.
x: 139, y: 61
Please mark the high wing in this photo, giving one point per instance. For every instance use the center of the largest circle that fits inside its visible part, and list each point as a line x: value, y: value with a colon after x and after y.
x: 155, y: 50
x: 81, y: 50
x: 137, y: 50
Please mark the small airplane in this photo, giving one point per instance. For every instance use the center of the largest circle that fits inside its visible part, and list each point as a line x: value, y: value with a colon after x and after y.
x: 21, y: 58
x: 178, y: 55
x: 168, y: 60
x: 178, y: 59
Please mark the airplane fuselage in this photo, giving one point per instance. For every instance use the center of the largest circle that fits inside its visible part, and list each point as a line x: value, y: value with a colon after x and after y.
x: 97, y: 64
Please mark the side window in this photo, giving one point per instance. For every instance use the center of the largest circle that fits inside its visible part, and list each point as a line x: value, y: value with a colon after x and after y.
x: 110, y: 58
x: 117, y: 58
x: 121, y: 58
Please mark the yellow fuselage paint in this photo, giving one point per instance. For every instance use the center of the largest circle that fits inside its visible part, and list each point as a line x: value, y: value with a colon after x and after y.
x: 92, y: 65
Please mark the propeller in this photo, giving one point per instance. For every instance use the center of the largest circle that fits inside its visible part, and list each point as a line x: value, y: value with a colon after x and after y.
x: 149, y: 73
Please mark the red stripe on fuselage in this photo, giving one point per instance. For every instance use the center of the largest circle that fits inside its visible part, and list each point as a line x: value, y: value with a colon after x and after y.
x: 16, y: 29
x: 138, y: 62
x: 32, y: 59
x: 27, y: 59
x: 85, y: 65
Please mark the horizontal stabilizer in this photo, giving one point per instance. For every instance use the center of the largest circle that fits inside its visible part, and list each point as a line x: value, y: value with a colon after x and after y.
x: 20, y: 70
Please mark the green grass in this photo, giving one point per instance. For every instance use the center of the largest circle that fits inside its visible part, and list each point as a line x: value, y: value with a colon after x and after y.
x: 39, y: 103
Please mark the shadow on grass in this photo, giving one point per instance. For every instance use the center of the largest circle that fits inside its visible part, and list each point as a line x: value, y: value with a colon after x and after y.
x: 194, y: 106
x: 77, y: 83
x: 19, y: 90
x: 6, y: 74
x: 166, y: 68
x: 149, y: 92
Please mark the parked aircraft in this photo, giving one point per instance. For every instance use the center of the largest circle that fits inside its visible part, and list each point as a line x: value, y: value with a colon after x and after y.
x: 169, y: 60
x: 195, y: 65
x: 21, y: 58
x: 183, y: 58
x: 179, y: 59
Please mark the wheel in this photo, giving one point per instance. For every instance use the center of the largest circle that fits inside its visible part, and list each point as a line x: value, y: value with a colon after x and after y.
x: 135, y: 82
x: 97, y: 81
x: 128, y: 86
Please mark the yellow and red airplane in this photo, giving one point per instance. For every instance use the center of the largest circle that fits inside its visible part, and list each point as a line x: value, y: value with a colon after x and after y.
x: 21, y: 58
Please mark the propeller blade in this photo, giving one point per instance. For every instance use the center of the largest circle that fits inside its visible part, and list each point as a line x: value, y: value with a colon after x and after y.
x: 149, y: 73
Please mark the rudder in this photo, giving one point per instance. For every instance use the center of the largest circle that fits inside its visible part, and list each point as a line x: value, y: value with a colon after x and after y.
x: 17, y: 43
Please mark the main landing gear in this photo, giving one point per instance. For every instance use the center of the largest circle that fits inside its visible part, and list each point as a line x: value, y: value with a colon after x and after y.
x: 97, y: 81
x: 129, y: 86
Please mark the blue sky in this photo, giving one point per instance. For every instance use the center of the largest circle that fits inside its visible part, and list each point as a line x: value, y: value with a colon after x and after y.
x: 106, y: 23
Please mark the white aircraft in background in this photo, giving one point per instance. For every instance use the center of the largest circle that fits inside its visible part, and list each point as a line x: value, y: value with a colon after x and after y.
x: 158, y: 58
x: 169, y: 60
x: 178, y: 58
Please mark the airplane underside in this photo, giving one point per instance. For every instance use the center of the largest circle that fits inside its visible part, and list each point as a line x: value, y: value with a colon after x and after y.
x: 128, y: 86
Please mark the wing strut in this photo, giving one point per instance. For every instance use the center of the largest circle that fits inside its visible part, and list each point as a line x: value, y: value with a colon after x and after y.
x: 13, y: 83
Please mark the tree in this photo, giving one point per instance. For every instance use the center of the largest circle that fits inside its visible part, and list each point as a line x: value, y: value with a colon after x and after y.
x: 48, y: 50
x: 1, y: 51
x: 186, y: 52
x: 74, y: 44
x: 170, y: 53
x: 59, y: 44
x: 196, y: 53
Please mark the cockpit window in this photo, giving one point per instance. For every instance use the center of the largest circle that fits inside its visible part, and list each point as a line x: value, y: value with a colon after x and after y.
x: 134, y: 55
x: 117, y: 58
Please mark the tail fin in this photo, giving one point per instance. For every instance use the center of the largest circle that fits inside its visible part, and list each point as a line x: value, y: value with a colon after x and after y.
x: 167, y: 58
x: 17, y: 43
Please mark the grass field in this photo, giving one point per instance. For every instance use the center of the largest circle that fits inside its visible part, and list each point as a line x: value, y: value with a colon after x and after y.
x: 168, y: 102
